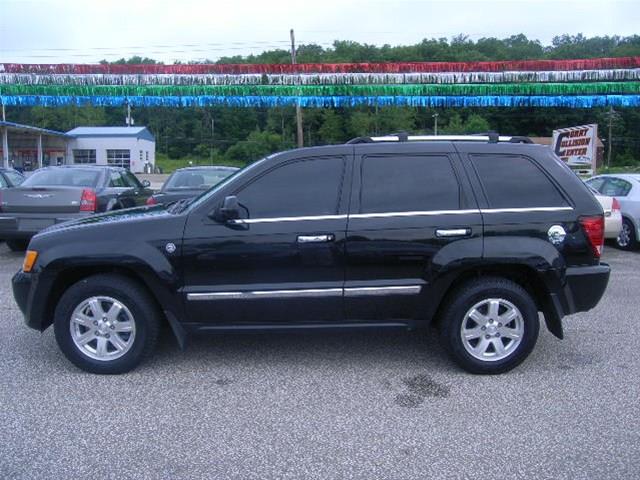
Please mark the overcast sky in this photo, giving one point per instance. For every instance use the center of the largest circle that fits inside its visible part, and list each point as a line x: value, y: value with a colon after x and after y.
x: 86, y: 31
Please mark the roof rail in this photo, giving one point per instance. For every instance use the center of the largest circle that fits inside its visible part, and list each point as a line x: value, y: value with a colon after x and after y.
x: 489, y: 137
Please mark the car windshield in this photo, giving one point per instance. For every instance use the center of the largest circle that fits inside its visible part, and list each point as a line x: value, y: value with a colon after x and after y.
x: 200, y: 179
x: 71, y: 177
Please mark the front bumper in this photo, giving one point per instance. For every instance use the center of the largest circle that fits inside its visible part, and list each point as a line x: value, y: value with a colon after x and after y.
x: 23, y: 226
x: 24, y: 288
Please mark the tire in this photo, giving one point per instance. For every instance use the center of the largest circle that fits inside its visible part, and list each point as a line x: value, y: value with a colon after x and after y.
x: 627, y: 240
x: 17, y: 245
x: 125, y: 339
x: 518, y: 332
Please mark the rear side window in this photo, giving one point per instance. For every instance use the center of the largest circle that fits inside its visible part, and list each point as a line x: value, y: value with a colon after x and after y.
x: 616, y: 187
x: 408, y: 183
x: 596, y: 183
x: 514, y: 181
x: 302, y: 188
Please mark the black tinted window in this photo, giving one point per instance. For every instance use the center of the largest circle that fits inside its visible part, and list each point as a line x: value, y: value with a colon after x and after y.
x: 408, y: 183
x: 308, y: 187
x: 116, y: 180
x: 513, y: 181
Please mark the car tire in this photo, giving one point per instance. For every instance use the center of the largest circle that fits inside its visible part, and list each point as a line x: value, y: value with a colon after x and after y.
x: 626, y: 240
x: 17, y: 245
x: 106, y: 324
x: 488, y: 345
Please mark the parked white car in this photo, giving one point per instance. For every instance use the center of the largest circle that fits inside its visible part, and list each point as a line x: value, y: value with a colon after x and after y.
x: 612, y: 215
x: 625, y: 188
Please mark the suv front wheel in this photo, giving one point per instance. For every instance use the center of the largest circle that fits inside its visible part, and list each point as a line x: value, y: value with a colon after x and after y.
x: 106, y: 324
x: 490, y: 326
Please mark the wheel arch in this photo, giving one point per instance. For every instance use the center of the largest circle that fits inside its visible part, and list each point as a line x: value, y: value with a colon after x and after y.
x: 522, y: 274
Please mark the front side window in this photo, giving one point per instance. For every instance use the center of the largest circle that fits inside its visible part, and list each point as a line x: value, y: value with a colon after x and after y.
x: 116, y: 180
x: 408, y: 183
x: 301, y: 188
x: 196, y: 179
x: 616, y: 187
x: 119, y: 158
x: 84, y: 156
x: 131, y: 180
x: 514, y: 181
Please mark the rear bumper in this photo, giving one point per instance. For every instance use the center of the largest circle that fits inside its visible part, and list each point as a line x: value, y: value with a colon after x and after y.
x: 585, y: 287
x: 26, y: 225
x: 612, y: 226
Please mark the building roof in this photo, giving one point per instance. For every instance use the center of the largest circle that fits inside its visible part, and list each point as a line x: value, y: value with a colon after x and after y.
x: 19, y: 127
x: 137, y: 132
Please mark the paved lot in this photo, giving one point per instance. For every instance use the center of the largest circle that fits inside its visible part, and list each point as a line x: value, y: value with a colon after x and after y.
x: 331, y: 406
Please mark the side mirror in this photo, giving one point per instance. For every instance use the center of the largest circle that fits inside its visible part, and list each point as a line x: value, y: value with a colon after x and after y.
x: 230, y: 209
x: 146, y: 183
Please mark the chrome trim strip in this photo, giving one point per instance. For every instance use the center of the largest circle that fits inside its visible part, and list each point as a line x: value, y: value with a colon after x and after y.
x: 413, y: 214
x: 452, y: 232
x: 419, y: 213
x: 287, y: 219
x: 310, y: 292
x: 525, y: 209
x: 372, y: 291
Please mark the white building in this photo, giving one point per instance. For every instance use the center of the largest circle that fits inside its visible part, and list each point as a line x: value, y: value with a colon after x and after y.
x: 27, y: 147
x: 129, y: 147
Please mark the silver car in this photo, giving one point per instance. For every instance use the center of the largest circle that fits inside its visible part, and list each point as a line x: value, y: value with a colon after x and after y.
x: 625, y: 187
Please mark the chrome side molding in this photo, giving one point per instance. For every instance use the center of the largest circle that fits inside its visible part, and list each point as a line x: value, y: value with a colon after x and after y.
x: 307, y: 293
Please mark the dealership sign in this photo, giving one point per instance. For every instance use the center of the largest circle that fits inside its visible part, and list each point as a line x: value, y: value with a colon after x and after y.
x: 576, y: 145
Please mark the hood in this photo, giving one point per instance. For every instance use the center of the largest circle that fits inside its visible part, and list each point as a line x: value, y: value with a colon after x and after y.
x: 128, y: 215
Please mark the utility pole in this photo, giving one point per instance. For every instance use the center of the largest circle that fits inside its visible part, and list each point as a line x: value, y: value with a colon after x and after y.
x: 4, y: 117
x: 300, y: 133
x: 435, y: 123
x: 609, y: 140
x: 129, y: 119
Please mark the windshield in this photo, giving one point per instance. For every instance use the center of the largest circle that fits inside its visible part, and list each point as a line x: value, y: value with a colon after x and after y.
x: 202, y: 179
x: 70, y: 177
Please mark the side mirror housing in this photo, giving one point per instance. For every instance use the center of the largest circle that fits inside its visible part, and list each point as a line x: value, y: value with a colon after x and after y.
x: 230, y: 209
x: 146, y: 183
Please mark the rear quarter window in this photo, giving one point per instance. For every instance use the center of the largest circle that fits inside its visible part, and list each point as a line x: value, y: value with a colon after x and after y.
x: 515, y: 181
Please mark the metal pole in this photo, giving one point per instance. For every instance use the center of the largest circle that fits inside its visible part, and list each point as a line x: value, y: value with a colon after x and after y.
x: 435, y: 126
x: 300, y: 133
x: 609, y: 141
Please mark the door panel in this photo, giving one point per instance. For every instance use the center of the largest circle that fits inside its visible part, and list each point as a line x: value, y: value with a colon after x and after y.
x: 284, y: 261
x: 419, y: 219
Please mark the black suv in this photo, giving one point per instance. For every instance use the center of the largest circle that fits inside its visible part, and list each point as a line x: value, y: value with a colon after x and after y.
x: 475, y: 235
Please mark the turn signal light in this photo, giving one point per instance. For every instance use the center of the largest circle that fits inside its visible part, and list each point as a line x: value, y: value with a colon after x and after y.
x: 594, y: 230
x: 29, y: 260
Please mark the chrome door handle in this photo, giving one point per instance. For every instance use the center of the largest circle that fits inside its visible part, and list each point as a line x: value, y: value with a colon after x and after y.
x: 315, y: 238
x: 452, y: 232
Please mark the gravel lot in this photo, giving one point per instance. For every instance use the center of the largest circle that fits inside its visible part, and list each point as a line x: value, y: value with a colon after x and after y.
x: 362, y: 405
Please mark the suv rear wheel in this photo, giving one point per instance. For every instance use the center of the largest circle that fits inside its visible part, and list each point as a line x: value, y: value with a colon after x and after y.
x: 106, y: 324
x: 490, y: 326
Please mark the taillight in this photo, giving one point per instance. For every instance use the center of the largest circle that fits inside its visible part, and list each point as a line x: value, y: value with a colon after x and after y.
x: 594, y: 230
x: 615, y: 205
x: 151, y: 201
x: 88, y: 200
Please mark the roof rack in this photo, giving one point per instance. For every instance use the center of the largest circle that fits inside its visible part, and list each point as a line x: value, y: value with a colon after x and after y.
x: 489, y: 137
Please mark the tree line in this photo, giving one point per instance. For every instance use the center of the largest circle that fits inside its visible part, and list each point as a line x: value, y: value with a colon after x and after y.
x: 241, y: 135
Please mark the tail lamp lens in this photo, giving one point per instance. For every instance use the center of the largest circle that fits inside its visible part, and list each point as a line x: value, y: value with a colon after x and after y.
x: 152, y: 201
x: 594, y: 230
x: 88, y: 200
x: 615, y: 205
